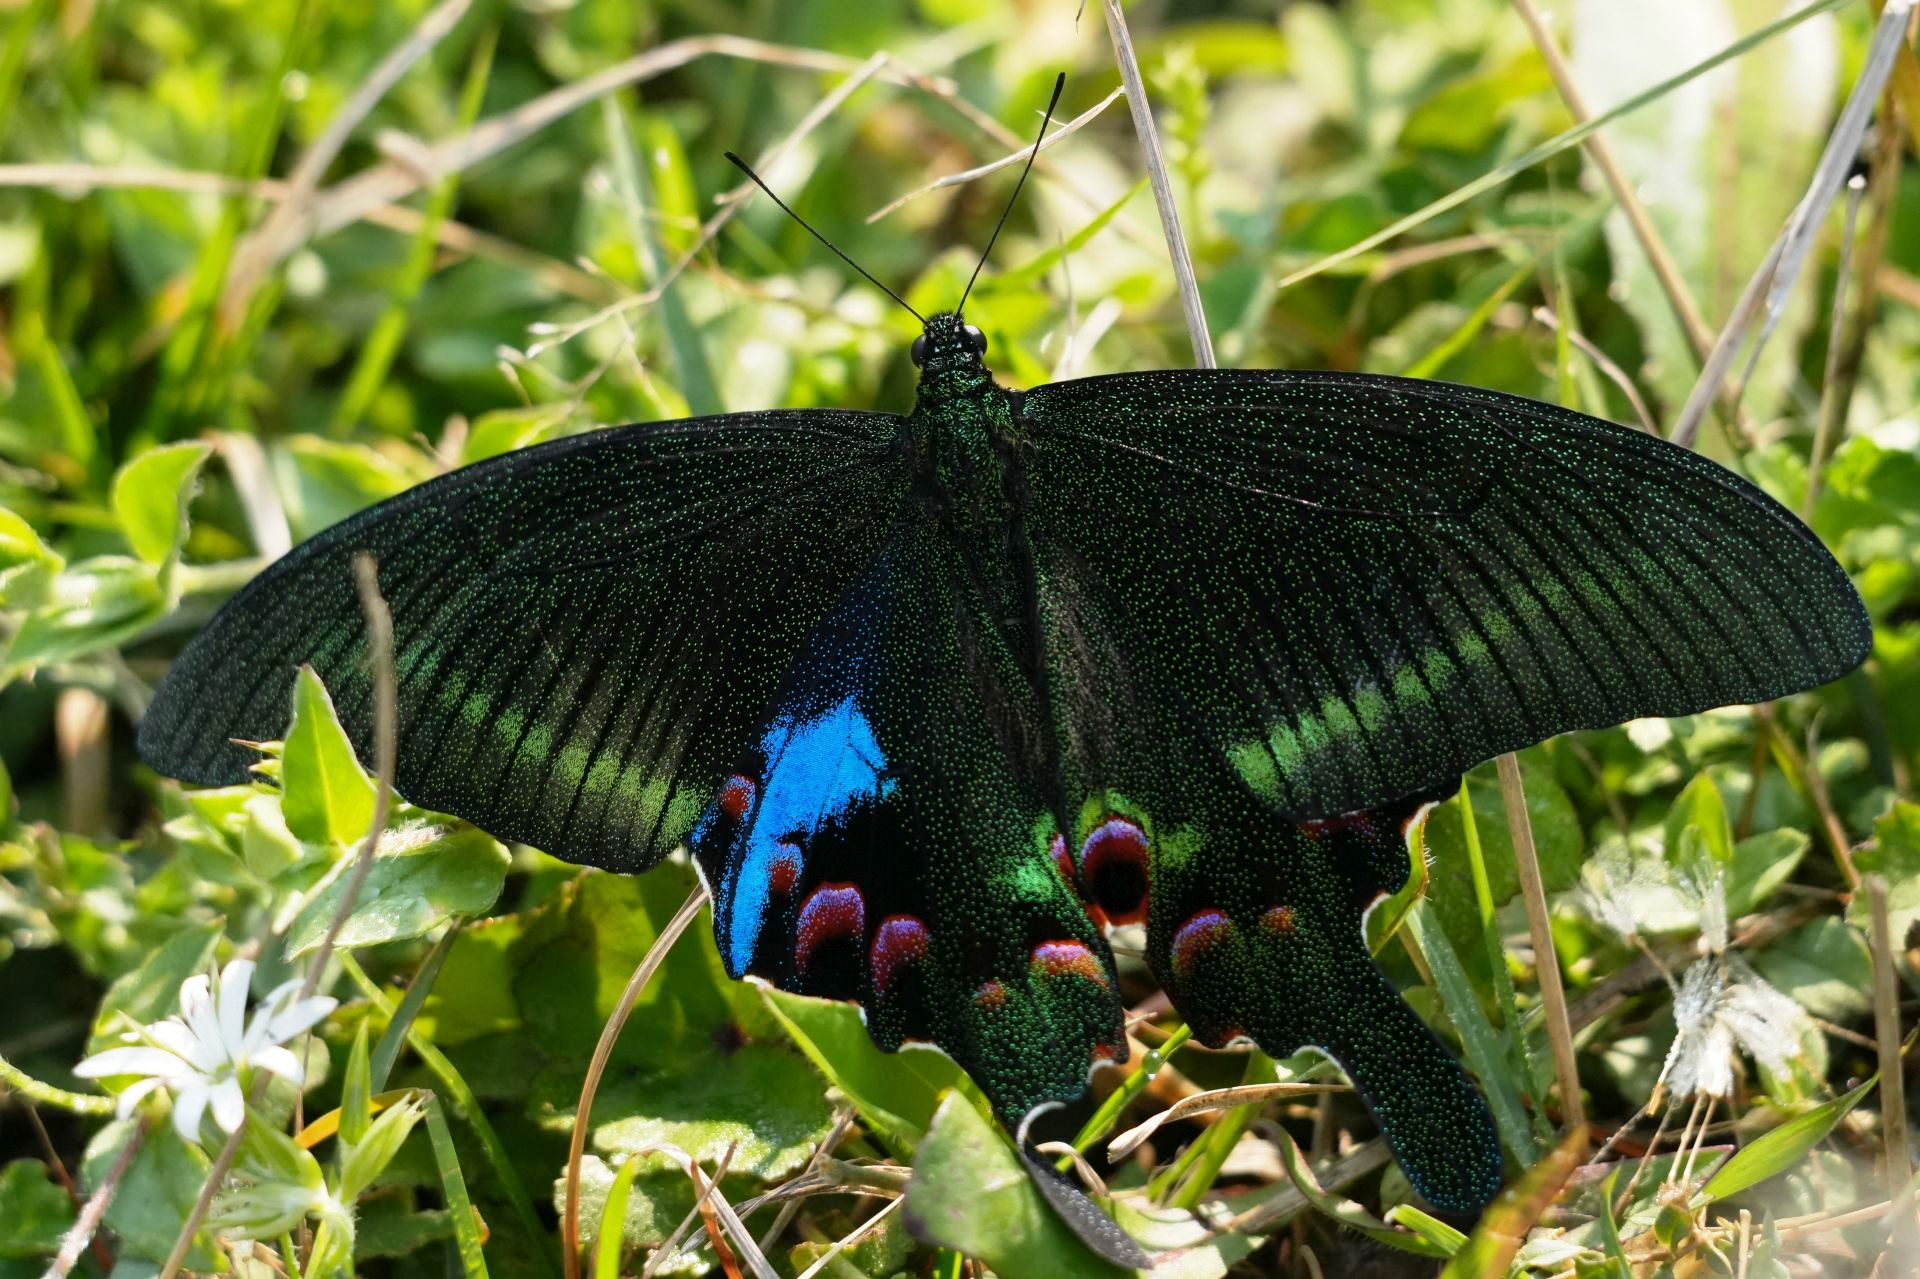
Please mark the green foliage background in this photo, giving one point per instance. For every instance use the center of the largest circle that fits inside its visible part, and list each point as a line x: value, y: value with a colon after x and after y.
x: 197, y: 370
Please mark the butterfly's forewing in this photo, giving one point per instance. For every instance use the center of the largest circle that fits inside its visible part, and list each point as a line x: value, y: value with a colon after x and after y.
x: 1356, y: 587
x: 585, y: 632
x: 888, y: 839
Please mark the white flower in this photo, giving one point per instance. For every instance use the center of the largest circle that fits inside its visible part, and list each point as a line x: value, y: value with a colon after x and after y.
x: 200, y: 1055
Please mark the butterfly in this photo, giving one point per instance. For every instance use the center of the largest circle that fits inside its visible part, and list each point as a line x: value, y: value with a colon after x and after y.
x: 937, y: 700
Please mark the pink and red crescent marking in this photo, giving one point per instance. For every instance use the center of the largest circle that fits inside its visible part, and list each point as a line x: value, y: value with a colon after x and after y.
x: 1067, y: 958
x: 831, y: 912
x: 1203, y: 932
x: 1114, y: 867
x: 900, y: 941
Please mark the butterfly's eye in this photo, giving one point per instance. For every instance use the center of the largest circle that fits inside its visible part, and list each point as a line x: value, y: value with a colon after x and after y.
x: 919, y: 350
x: 977, y: 340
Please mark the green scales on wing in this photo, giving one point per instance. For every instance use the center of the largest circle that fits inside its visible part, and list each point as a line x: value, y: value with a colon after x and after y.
x: 938, y: 698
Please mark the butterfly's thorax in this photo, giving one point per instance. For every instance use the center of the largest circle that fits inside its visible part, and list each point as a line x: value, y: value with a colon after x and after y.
x: 968, y: 473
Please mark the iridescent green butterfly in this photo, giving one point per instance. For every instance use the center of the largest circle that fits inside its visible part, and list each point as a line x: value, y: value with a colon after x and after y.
x: 938, y: 699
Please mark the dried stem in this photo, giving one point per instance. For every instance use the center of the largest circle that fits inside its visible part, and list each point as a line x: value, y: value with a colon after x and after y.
x: 602, y: 1052
x: 1142, y: 111
x: 76, y: 1239
x: 1886, y: 1026
x: 1546, y: 960
x: 1007, y: 161
x: 288, y: 222
x: 1828, y: 423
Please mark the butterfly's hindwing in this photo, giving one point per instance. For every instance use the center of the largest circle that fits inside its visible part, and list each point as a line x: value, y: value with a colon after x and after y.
x: 1360, y: 586
x: 584, y: 632
x: 885, y: 841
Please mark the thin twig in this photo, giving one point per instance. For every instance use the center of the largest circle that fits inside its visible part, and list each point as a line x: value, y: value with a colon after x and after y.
x: 77, y: 1238
x: 1004, y: 162
x: 1886, y: 1026
x: 454, y: 236
x: 1766, y: 291
x: 289, y: 220
x: 1207, y: 1102
x: 1614, y: 373
x: 1685, y: 309
x: 602, y: 1051
x: 380, y: 657
x: 385, y: 183
x: 1546, y: 960
x: 1830, y: 394
x: 841, y: 1245
x: 1143, y: 125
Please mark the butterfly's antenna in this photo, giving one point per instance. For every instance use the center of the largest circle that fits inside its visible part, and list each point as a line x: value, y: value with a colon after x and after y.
x: 1059, y: 83
x: 743, y: 167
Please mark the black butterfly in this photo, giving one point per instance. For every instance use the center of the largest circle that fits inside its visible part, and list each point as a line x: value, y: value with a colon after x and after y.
x: 938, y: 698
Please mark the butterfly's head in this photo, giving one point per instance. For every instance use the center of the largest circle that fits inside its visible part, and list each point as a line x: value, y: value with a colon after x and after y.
x: 950, y: 348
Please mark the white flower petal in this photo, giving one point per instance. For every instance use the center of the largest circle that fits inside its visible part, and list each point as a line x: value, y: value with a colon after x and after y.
x: 130, y: 1097
x: 128, y: 1061
x: 235, y: 979
x: 300, y: 1016
x: 173, y: 1035
x: 260, y: 1026
x: 188, y: 1106
x: 196, y: 1010
x: 281, y: 1062
x: 229, y: 1107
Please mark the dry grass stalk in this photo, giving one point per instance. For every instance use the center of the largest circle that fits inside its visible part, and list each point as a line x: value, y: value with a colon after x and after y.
x: 1546, y: 960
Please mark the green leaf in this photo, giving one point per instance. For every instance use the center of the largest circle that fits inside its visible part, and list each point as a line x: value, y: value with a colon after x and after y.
x: 95, y: 604
x: 27, y: 565
x: 1557, y: 838
x: 1358, y: 1219
x: 1894, y: 855
x: 606, y: 1244
x: 356, y: 1092
x: 970, y: 1193
x: 1700, y: 809
x: 895, y: 1093
x: 760, y: 1101
x: 34, y: 1212
x: 1824, y: 966
x: 329, y: 798
x: 422, y: 876
x: 655, y: 1205
x: 155, y: 1195
x: 453, y: 1189
x: 1761, y: 863
x: 152, y: 991
x: 266, y: 845
x: 150, y: 495
x: 1782, y: 1148
x: 1436, y: 1232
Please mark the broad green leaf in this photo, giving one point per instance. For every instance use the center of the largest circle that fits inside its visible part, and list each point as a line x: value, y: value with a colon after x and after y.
x: 324, y: 481
x: 1700, y: 809
x: 1782, y: 1148
x: 95, y: 604
x: 155, y: 1195
x: 1183, y: 1247
x: 1761, y: 863
x: 656, y: 1203
x: 150, y: 495
x: 760, y: 1101
x: 1894, y: 855
x: 328, y: 797
x: 970, y: 1193
x: 27, y: 565
x: 152, y: 991
x: 895, y: 1093
x: 422, y: 876
x: 473, y: 995
x: 1824, y: 966
x: 266, y: 845
x: 1436, y: 1232
x: 1557, y: 839
x: 34, y: 1212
